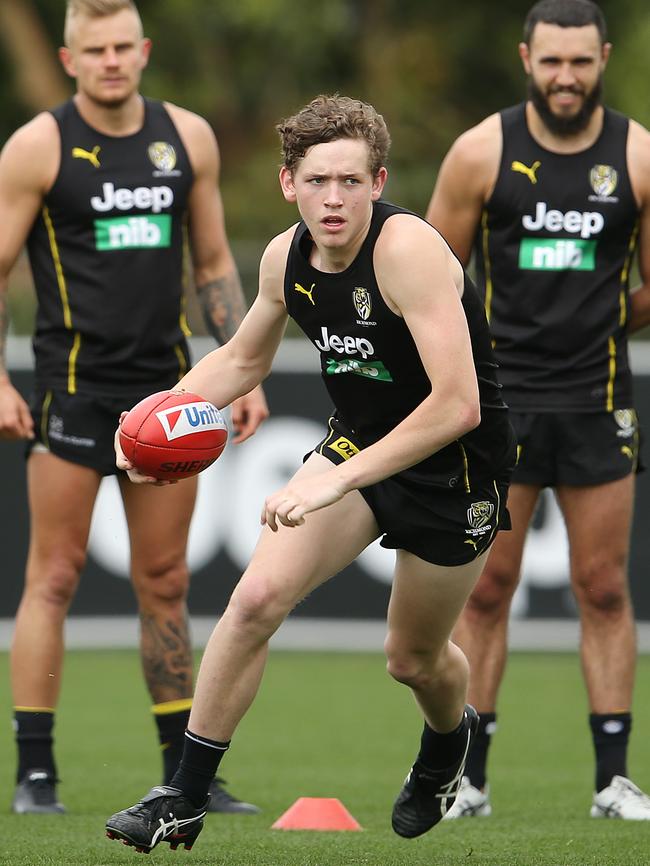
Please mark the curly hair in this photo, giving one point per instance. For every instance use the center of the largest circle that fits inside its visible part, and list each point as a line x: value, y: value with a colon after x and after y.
x: 329, y: 118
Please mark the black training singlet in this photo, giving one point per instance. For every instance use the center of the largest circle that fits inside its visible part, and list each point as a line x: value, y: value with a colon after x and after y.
x: 553, y: 256
x: 371, y: 366
x: 106, y: 253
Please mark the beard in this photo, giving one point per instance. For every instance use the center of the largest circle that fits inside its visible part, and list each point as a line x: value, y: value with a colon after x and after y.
x: 565, y: 127
x: 108, y: 101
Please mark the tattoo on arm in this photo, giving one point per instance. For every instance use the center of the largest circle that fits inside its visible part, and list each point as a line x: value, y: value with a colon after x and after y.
x: 223, y: 305
x: 166, y: 657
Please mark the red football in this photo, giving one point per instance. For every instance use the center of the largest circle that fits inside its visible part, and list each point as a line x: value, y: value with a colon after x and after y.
x: 173, y: 435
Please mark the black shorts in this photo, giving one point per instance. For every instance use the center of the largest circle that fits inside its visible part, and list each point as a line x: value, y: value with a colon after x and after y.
x: 576, y: 448
x: 79, y: 427
x: 444, y: 526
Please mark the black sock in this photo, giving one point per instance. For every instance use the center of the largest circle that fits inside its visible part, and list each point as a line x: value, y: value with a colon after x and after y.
x: 171, y: 719
x: 476, y: 766
x: 610, y: 733
x: 33, y: 727
x: 439, y: 751
x: 200, y: 761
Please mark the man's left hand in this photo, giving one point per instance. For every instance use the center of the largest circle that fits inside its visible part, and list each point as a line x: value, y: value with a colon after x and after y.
x: 247, y: 413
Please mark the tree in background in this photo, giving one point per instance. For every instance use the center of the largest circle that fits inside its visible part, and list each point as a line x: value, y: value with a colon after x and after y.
x: 432, y: 67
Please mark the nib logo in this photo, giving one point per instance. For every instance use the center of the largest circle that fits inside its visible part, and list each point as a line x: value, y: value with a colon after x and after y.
x: 195, y: 417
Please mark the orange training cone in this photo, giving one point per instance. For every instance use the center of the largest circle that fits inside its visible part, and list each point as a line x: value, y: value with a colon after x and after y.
x: 316, y: 813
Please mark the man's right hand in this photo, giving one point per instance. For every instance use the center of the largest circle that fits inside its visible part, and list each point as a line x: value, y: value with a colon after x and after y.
x: 134, y: 474
x: 16, y: 420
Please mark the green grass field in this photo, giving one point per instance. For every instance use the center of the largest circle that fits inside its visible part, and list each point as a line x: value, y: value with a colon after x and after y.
x: 332, y: 725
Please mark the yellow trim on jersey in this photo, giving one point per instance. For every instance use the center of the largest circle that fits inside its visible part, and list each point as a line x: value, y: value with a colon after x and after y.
x: 612, y: 374
x: 34, y: 710
x: 185, y: 327
x: 169, y: 707
x: 625, y: 272
x: 468, y: 489
x: 44, y: 418
x: 182, y: 362
x: 58, y: 268
x: 186, y: 265
x: 65, y: 303
x: 486, y: 265
x: 326, y: 440
x: 496, y: 516
x: 622, y: 306
x: 72, y: 364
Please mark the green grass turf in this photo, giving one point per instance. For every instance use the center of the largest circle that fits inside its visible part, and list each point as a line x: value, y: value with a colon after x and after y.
x: 332, y: 725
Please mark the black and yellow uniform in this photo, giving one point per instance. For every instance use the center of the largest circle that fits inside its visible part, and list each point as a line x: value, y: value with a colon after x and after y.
x: 106, y: 252
x: 448, y: 507
x: 553, y: 254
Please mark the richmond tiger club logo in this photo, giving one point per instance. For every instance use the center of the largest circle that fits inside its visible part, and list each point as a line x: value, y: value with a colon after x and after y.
x: 603, y: 179
x: 479, y: 515
x: 362, y: 302
x: 626, y: 421
x: 363, y: 305
x: 163, y: 157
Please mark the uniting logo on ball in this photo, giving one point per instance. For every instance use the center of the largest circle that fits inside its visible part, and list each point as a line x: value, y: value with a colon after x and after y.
x: 196, y: 417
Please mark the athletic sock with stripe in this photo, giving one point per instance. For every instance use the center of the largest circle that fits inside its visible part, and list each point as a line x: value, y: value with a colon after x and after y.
x: 171, y: 719
x: 610, y: 733
x: 199, y: 764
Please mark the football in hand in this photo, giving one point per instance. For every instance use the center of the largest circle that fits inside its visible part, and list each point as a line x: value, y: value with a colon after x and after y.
x: 173, y: 434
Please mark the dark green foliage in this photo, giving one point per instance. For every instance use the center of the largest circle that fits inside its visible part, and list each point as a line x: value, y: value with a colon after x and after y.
x: 432, y: 67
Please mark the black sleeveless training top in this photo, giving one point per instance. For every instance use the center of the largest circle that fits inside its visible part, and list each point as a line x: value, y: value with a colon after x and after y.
x: 106, y: 253
x: 553, y: 255
x: 371, y: 366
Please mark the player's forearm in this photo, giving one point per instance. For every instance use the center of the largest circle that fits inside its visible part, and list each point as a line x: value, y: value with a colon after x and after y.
x: 428, y: 429
x: 220, y: 378
x: 223, y: 305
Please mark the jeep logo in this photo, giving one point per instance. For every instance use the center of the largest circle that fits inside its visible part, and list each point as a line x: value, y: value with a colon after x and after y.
x: 347, y: 345
x: 585, y: 224
x: 153, y: 198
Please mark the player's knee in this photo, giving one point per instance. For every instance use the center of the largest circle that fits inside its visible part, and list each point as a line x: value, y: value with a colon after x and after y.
x: 56, y: 584
x: 405, y: 670
x: 163, y: 582
x: 602, y: 589
x: 493, y: 592
x: 409, y: 666
x: 258, y: 607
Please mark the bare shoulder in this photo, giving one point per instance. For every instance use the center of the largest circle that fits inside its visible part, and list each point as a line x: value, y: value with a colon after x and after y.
x: 189, y: 122
x: 197, y: 135
x: 638, y: 158
x: 32, y: 155
x: 408, y: 252
x: 274, y: 261
x: 404, y: 235
x: 478, y: 149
